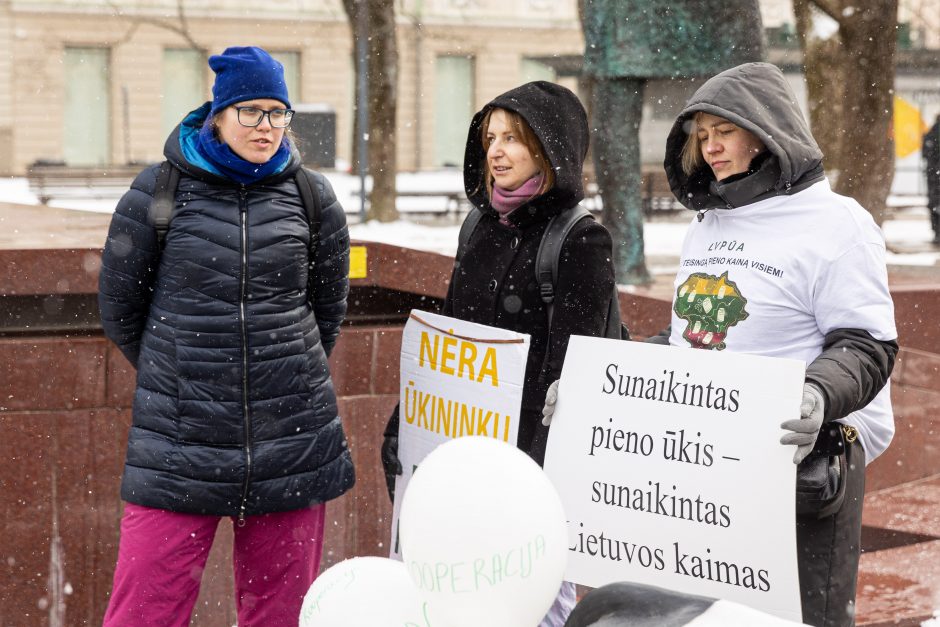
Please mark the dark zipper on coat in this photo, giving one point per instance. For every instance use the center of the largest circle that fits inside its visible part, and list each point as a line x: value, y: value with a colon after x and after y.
x: 242, y: 305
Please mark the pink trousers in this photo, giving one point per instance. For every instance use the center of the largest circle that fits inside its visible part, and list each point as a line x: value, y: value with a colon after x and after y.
x: 162, y: 555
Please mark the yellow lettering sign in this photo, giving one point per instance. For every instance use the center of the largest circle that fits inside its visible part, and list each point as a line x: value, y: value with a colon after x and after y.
x: 468, y: 354
x: 456, y: 357
x: 425, y: 349
x: 452, y: 418
x: 447, y: 355
x: 488, y: 369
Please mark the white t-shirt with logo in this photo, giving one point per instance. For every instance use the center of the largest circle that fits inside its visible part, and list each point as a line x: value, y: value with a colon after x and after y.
x: 774, y: 277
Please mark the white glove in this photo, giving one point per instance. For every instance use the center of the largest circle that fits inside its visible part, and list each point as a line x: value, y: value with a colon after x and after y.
x: 806, y: 428
x: 551, y: 397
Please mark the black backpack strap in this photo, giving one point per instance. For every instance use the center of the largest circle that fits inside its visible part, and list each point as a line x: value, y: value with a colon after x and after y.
x: 467, y: 227
x: 546, y: 265
x: 547, y: 258
x: 466, y: 230
x: 164, y: 201
x: 615, y: 329
x: 306, y: 185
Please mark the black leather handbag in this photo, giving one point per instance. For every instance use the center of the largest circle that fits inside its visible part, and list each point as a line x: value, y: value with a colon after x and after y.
x: 820, y: 477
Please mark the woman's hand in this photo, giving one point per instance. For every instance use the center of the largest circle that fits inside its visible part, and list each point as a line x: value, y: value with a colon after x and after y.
x: 806, y: 428
x: 551, y: 397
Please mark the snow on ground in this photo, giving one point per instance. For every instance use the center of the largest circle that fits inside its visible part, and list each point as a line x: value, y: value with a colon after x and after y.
x: 16, y: 190
x: 438, y: 239
x: 660, y: 237
x: 907, y: 233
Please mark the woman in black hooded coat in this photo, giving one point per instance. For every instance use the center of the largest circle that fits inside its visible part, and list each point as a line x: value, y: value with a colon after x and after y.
x: 494, y: 282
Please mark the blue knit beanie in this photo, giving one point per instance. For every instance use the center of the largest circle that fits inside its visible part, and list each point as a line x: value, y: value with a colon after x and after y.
x: 246, y: 73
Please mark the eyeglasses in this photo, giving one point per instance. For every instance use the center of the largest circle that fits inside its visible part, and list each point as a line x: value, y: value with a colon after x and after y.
x: 252, y: 116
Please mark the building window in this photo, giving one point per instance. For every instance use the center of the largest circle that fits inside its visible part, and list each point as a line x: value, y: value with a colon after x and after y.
x: 904, y: 36
x: 86, y: 121
x: 533, y: 70
x: 453, y: 108
x: 184, y: 85
x: 291, y: 63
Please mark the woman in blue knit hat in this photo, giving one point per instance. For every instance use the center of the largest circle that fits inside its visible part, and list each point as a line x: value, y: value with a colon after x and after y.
x: 228, y: 316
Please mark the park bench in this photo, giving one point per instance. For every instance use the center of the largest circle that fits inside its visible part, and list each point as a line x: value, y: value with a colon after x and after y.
x: 445, y: 195
x: 655, y: 196
x: 424, y: 194
x: 55, y: 180
x: 446, y: 202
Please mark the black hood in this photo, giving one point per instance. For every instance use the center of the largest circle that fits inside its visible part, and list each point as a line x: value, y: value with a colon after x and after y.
x: 756, y: 97
x: 558, y: 119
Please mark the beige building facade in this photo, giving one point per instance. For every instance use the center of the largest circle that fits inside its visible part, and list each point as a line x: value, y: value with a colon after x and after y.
x: 100, y: 83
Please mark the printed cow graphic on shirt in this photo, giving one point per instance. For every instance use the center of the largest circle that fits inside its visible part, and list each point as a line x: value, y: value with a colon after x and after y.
x: 710, y: 305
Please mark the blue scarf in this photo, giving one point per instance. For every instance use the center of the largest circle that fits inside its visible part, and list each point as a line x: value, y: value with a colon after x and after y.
x: 234, y: 167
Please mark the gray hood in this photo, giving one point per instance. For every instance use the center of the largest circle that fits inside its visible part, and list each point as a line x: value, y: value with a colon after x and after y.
x: 756, y: 97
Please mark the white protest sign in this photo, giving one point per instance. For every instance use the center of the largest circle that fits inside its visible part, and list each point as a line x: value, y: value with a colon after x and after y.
x: 671, y: 473
x: 458, y: 379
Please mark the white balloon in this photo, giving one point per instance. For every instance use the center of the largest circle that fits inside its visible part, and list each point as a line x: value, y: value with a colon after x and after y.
x: 630, y: 603
x: 483, y: 535
x: 364, y: 592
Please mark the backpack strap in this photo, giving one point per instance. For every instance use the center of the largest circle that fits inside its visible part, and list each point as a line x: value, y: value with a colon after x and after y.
x: 467, y: 227
x: 614, y: 328
x: 164, y: 201
x: 546, y: 265
x: 306, y: 185
x: 547, y: 258
x: 466, y: 230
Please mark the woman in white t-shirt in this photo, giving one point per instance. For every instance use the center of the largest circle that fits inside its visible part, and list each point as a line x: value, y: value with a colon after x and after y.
x: 800, y: 273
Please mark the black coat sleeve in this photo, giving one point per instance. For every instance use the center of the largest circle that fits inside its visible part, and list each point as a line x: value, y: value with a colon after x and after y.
x: 391, y: 427
x: 128, y: 268
x: 583, y: 291
x: 851, y: 370
x: 930, y: 150
x: 930, y: 147
x: 447, y: 308
x: 328, y: 287
x: 661, y: 338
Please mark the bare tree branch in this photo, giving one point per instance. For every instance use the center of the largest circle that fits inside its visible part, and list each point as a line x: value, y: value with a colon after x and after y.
x: 830, y: 8
x: 184, y: 25
x: 181, y: 29
x: 129, y: 34
x: 925, y: 13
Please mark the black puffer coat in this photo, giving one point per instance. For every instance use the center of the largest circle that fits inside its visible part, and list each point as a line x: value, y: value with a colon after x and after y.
x: 234, y: 412
x: 930, y: 150
x: 494, y: 284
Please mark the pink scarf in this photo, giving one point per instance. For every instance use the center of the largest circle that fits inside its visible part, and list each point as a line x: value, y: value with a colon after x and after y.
x: 506, y: 201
